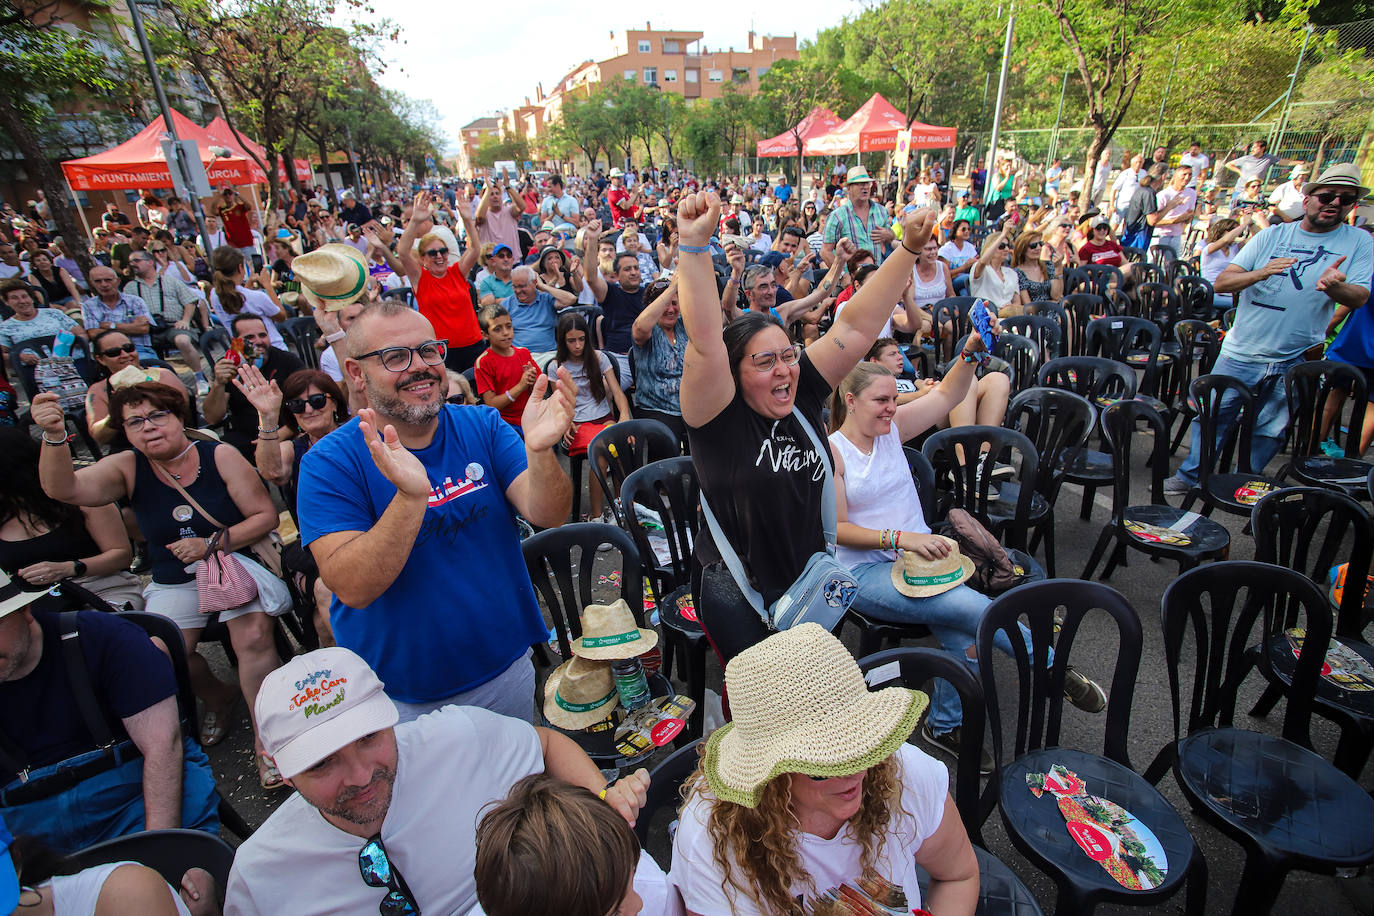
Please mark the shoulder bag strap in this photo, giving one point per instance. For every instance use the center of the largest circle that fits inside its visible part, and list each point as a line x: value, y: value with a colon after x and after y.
x: 79, y: 678
x: 828, y: 523
x: 168, y: 479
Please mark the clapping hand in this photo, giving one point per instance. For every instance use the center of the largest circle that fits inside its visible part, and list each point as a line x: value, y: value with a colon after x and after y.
x: 264, y: 395
x: 1279, y: 265
x: 547, y: 419
x: 1331, y: 275
x: 393, y: 459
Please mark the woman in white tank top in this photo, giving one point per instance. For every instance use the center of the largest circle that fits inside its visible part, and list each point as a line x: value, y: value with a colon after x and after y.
x: 930, y: 280
x: 877, y: 506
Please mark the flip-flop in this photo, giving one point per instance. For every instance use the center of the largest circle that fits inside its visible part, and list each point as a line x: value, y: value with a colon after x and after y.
x: 214, y: 725
x: 269, y: 777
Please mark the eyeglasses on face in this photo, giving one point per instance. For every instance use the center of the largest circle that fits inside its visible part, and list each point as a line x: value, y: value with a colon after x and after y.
x: 437, y: 253
x: 399, y: 359
x: 376, y: 870
x: 1343, y: 199
x: 1036, y: 245
x: 298, y: 405
x: 112, y: 352
x: 1002, y: 246
x: 156, y: 418
x: 767, y: 359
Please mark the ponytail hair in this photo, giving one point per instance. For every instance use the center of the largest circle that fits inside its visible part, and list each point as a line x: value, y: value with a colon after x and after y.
x: 225, y: 262
x: 855, y: 383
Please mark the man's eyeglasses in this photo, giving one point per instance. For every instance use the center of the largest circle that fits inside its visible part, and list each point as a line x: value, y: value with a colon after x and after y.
x: 399, y: 359
x: 112, y: 352
x: 377, y: 871
x: 136, y: 424
x: 765, y: 361
x: 1342, y: 199
x: 437, y: 253
x: 298, y: 405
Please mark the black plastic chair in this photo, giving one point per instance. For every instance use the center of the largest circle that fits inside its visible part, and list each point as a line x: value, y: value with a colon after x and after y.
x: 1101, y: 381
x: 1135, y: 342
x: 1133, y: 254
x: 1055, y: 421
x: 1000, y: 891
x: 564, y: 585
x: 401, y: 293
x: 1015, y: 507
x: 1104, y: 279
x: 954, y: 312
x: 300, y: 334
x: 1369, y: 484
x: 1309, y: 387
x: 1076, y: 280
x: 1163, y: 256
x: 875, y: 633
x: 1195, y: 297
x: 1022, y: 356
x: 1146, y: 272
x: 1150, y: 527
x: 1041, y: 328
x: 1156, y: 302
x: 170, y: 853
x: 1226, y: 478
x: 1287, y: 807
x: 1311, y: 530
x: 669, y: 489
x: 1035, y: 825
x: 1068, y: 333
x: 1199, y: 344
x: 1082, y: 307
x: 155, y: 625
x: 42, y: 346
x: 618, y: 451
x: 665, y: 790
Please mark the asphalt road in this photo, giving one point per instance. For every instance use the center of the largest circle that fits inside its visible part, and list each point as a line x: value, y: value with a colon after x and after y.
x: 1143, y: 583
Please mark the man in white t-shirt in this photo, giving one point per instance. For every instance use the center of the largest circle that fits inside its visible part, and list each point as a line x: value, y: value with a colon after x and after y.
x: 1196, y: 160
x: 1287, y: 198
x: 385, y: 811
x: 1179, y: 203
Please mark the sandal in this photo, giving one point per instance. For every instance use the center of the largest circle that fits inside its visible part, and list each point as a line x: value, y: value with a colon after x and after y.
x: 214, y: 725
x: 269, y: 777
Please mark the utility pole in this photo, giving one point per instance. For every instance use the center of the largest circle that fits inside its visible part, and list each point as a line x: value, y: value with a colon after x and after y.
x: 180, y: 164
x: 1001, y: 92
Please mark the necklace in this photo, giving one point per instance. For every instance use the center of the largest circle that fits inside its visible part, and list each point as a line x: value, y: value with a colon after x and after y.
x: 163, y: 464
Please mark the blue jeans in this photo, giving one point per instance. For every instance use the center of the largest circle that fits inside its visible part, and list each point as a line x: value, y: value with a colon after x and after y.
x: 1265, y: 381
x: 110, y: 804
x: 952, y: 616
x: 961, y: 285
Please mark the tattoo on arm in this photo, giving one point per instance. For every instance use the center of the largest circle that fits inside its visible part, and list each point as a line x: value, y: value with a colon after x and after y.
x: 839, y: 343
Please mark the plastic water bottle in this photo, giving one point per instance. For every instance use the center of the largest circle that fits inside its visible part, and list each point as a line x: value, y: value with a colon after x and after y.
x: 62, y: 345
x: 631, y: 683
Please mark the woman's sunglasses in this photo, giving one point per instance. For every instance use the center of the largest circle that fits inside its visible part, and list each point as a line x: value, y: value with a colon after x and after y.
x: 298, y: 405
x: 112, y: 352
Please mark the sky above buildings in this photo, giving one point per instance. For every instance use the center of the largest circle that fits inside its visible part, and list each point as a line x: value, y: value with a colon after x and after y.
x: 473, y: 60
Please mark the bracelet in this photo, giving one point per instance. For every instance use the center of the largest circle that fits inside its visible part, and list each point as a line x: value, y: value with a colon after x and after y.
x: 268, y: 429
x: 510, y: 396
x: 897, y: 541
x: 63, y: 441
x: 917, y: 253
x: 969, y: 357
x: 263, y: 437
x: 693, y: 249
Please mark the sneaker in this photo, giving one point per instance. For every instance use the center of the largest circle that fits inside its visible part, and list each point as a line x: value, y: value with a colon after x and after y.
x: 1083, y: 692
x: 949, y: 743
x: 1175, y: 486
x: 605, y: 518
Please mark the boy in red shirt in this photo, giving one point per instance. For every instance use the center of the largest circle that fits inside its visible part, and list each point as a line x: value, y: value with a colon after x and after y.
x: 505, y: 373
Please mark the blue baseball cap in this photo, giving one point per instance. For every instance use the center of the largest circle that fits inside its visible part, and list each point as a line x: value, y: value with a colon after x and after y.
x: 772, y: 259
x: 9, y: 880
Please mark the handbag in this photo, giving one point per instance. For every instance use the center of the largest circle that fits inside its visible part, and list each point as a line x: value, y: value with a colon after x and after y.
x: 222, y: 582
x: 824, y: 590
x: 266, y: 549
x: 994, y: 571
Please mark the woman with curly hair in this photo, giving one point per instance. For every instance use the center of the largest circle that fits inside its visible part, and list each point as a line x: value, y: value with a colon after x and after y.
x: 813, y: 786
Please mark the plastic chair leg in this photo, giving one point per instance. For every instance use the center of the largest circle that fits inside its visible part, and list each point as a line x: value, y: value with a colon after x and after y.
x: 231, y: 820
x: 695, y: 663
x: 1352, y: 751
x: 1115, y: 559
x: 1108, y: 531
x: 1070, y: 901
x: 1195, y: 901
x: 1086, y: 512
x: 1267, y: 701
x: 1260, y: 883
x: 1049, y: 548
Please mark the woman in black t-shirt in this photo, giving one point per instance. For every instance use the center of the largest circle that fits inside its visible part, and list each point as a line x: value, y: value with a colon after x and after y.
x: 758, y: 468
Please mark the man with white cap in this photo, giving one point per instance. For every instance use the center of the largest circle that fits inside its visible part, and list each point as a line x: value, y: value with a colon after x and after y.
x: 858, y: 218
x: 1289, y: 280
x: 624, y: 203
x: 385, y: 815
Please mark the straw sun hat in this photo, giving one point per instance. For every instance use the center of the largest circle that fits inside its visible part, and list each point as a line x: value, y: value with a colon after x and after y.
x: 916, y: 577
x: 800, y: 705
x: 332, y: 276
x: 579, y: 693
x: 609, y: 632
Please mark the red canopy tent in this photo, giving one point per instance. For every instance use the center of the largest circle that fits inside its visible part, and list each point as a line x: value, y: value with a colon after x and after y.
x: 819, y: 122
x: 874, y: 128
x: 223, y: 135
x: 139, y: 163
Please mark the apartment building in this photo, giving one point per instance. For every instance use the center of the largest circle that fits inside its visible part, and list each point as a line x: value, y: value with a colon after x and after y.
x: 471, y: 135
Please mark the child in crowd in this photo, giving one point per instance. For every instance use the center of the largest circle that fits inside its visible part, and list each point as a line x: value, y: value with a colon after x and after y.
x: 505, y: 373
x: 555, y: 848
x: 595, y: 391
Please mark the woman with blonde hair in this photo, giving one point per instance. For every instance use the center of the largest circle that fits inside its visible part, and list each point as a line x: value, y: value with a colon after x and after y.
x: 812, y: 786
x: 442, y: 291
x: 1036, y: 277
x: 992, y: 280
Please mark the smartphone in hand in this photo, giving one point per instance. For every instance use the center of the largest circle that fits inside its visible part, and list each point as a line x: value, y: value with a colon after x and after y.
x: 982, y: 323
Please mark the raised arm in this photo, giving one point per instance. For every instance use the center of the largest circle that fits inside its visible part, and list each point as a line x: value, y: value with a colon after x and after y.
x: 862, y: 319
x: 405, y: 250
x: 729, y: 301
x: 561, y: 297
x: 274, y: 453
x: 707, y: 385
x: 643, y: 328
x: 474, y: 244
x: 591, y: 240
x: 98, y: 485
x: 844, y: 251
x: 485, y: 203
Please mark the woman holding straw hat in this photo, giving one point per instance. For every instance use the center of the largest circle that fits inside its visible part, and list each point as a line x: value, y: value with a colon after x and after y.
x: 813, y: 786
x: 905, y: 573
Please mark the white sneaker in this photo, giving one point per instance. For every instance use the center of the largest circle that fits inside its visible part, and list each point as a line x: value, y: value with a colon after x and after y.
x: 1174, y: 486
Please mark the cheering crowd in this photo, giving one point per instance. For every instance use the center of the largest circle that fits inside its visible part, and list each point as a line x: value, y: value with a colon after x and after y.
x: 324, y: 372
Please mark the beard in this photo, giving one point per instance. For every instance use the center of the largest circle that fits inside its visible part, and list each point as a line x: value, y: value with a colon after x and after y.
x: 385, y: 781
x: 390, y: 405
x: 17, y: 655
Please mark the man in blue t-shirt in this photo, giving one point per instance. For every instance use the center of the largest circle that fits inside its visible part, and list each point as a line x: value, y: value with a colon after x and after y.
x: 57, y: 779
x: 409, y: 510
x: 1290, y: 278
x: 534, y: 309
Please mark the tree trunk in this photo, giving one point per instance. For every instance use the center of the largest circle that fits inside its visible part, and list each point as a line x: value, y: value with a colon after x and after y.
x: 1101, y: 138
x: 324, y: 167
x: 54, y: 186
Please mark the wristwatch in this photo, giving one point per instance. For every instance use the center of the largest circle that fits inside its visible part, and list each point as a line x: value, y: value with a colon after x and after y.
x: 78, y: 569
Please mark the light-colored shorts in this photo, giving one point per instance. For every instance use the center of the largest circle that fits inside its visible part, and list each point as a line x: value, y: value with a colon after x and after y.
x: 181, y: 603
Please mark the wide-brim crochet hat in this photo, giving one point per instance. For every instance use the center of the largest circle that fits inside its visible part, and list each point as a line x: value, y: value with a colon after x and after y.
x: 800, y: 705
